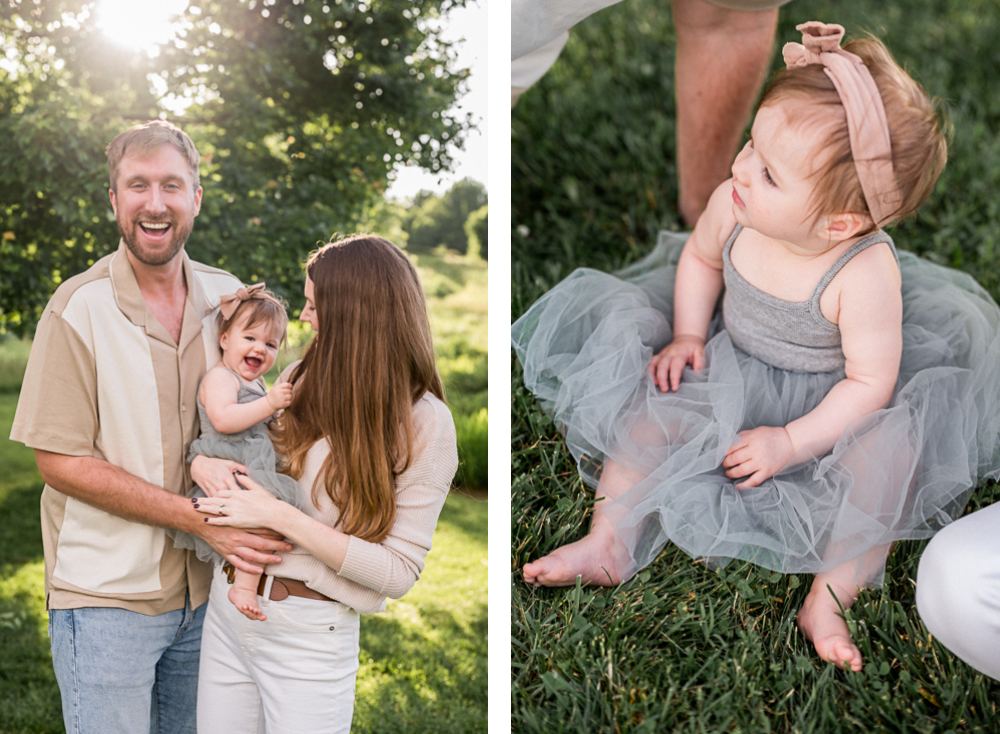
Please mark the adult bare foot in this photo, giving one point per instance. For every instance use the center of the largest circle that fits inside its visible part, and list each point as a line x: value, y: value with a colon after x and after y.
x: 246, y: 602
x: 821, y: 622
x: 592, y: 558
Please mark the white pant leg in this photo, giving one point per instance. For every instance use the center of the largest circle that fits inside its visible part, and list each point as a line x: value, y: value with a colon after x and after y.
x: 958, y: 589
x: 306, y: 666
x: 228, y: 699
x: 298, y: 667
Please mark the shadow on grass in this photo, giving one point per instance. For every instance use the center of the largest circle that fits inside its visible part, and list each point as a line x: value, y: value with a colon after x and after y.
x: 464, y: 516
x: 21, y: 530
x: 417, y: 681
x: 29, y: 696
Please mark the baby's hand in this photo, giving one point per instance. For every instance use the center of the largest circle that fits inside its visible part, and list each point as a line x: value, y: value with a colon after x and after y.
x: 666, y: 367
x: 759, y: 454
x: 280, y: 396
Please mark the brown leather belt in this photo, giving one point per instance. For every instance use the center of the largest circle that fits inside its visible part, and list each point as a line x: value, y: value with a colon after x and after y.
x: 284, y: 588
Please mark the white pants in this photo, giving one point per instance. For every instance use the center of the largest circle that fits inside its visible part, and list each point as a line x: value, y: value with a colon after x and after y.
x: 958, y: 589
x: 291, y: 674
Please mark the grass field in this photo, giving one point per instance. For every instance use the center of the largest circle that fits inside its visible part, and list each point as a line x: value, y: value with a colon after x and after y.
x: 455, y: 287
x: 680, y: 647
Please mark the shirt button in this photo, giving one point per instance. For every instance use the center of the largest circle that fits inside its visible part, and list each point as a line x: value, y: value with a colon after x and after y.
x: 184, y: 409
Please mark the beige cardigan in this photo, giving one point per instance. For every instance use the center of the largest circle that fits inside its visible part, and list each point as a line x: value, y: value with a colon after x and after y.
x: 373, y: 571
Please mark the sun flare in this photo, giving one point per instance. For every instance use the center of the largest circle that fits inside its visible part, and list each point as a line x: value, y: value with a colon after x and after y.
x: 140, y: 26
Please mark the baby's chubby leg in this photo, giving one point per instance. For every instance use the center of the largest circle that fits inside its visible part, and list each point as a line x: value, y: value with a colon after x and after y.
x: 821, y: 623
x: 243, y: 595
x: 820, y: 619
x: 594, y: 558
x: 600, y: 557
x: 883, y: 476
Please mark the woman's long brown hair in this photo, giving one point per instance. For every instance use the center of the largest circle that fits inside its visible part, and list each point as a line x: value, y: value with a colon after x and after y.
x: 370, y: 361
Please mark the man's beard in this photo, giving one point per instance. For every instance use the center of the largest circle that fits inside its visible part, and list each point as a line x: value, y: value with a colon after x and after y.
x: 178, y: 238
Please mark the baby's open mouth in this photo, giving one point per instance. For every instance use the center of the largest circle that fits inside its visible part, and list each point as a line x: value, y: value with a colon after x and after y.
x: 253, y: 363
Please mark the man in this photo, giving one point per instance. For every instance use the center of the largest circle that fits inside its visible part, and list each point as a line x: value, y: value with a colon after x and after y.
x: 109, y: 405
x: 723, y: 49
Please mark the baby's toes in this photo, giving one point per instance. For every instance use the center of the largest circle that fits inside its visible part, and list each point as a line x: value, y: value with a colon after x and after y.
x: 841, y: 652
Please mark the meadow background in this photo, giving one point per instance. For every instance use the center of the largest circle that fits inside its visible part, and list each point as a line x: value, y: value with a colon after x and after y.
x: 423, y: 661
x: 681, y: 648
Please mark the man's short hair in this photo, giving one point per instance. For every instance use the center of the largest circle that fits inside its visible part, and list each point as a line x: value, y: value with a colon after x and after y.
x: 144, y: 140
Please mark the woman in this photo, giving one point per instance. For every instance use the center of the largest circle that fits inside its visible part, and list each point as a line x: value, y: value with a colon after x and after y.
x: 373, y: 447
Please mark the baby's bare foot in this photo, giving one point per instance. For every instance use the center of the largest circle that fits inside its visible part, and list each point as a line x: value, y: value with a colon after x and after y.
x: 592, y: 558
x: 821, y: 622
x: 246, y: 602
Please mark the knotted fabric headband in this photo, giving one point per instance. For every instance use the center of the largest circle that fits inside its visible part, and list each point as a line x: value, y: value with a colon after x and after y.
x: 229, y: 303
x: 866, y: 122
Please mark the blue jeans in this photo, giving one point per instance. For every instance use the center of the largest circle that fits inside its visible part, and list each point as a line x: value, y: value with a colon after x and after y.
x: 128, y: 673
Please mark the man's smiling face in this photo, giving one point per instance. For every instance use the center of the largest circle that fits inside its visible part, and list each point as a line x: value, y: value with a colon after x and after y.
x: 155, y: 205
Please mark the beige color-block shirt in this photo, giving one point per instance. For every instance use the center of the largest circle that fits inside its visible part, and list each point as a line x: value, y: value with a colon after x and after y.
x: 105, y: 379
x: 373, y: 571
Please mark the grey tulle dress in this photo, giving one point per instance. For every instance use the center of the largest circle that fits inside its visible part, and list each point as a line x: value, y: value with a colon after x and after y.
x: 900, y: 473
x: 252, y: 448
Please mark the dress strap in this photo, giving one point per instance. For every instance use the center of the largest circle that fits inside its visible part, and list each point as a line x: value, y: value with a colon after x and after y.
x: 729, y: 243
x: 258, y: 383
x: 864, y: 243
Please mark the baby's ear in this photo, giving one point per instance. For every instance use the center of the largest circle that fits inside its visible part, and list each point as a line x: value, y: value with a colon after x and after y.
x: 839, y: 227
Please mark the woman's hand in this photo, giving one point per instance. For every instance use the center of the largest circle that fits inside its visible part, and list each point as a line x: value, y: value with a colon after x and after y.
x: 214, y: 475
x: 759, y: 453
x: 253, y: 507
x: 667, y: 366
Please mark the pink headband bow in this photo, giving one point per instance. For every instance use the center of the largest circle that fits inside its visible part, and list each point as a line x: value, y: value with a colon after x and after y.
x: 866, y: 121
x: 229, y: 303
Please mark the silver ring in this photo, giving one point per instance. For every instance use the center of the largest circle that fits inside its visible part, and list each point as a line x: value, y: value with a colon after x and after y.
x: 221, y: 505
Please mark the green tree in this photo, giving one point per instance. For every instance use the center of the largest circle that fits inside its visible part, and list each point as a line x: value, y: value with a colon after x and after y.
x: 441, y: 220
x: 475, y: 231
x: 386, y: 219
x: 300, y: 109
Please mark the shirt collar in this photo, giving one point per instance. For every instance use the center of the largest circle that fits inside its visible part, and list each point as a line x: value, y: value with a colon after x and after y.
x: 130, y: 301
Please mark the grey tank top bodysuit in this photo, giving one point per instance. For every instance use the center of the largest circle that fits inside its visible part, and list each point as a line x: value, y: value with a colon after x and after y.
x: 787, y: 335
x: 246, y: 394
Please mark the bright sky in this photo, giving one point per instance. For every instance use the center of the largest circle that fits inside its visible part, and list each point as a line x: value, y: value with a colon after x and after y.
x: 144, y: 25
x: 467, y: 26
x: 141, y: 26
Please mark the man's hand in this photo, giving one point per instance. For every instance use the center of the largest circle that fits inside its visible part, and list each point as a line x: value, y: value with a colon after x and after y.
x: 759, y: 453
x: 247, y: 550
x: 114, y: 490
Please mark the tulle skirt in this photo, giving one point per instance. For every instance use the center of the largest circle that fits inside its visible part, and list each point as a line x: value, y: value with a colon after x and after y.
x: 900, y: 473
x: 253, y: 449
